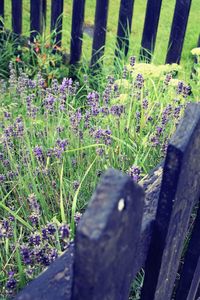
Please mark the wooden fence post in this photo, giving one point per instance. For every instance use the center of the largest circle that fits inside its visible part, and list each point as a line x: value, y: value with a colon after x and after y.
x: 36, y: 18
x: 106, y: 240
x: 179, y: 190
x: 150, y: 29
x: 17, y: 16
x: 77, y: 31
x: 124, y: 26
x: 1, y: 12
x: 56, y: 19
x: 99, y: 39
x: 178, y: 30
x: 44, y: 12
x: 190, y: 274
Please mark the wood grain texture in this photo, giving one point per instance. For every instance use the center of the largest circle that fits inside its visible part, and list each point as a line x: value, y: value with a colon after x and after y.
x: 77, y: 31
x: 150, y: 29
x: 178, y: 29
x: 106, y: 240
x: 56, y: 19
x: 179, y: 191
x: 190, y: 275
x: 124, y: 26
x: 17, y: 16
x: 99, y: 39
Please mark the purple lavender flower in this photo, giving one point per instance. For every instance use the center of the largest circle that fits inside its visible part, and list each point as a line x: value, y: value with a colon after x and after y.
x: 145, y: 103
x: 117, y: 110
x: 168, y: 79
x: 139, y: 81
x: 77, y: 217
x: 2, y: 177
x: 64, y: 231
x: 26, y: 254
x: 49, y: 102
x: 179, y: 87
x: 11, y: 283
x: 38, y: 152
x: 135, y: 172
x: 51, y: 228
x: 154, y: 140
x: 132, y: 61
x: 159, y: 130
x: 186, y: 90
x: 125, y: 72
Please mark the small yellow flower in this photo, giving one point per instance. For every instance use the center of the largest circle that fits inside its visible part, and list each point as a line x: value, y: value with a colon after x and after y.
x: 122, y: 83
x: 196, y: 51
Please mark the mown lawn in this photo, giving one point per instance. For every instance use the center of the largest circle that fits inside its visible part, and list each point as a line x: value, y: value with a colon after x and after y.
x: 137, y: 27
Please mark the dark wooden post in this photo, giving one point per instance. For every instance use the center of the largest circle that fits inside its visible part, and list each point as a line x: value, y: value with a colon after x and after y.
x: 56, y: 19
x: 124, y: 26
x: 44, y: 12
x: 150, y: 29
x: 1, y: 12
x: 36, y: 18
x: 190, y: 275
x: 179, y: 190
x: 106, y: 240
x: 17, y: 16
x: 99, y: 39
x: 178, y: 30
x: 77, y: 31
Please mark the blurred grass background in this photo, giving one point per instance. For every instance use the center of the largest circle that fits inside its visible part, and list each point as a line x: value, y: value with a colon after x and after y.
x: 165, y: 22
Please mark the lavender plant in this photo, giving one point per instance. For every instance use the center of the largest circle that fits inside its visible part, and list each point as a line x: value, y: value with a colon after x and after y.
x: 55, y: 142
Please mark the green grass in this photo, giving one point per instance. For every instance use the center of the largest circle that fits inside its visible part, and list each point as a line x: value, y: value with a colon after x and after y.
x: 191, y: 38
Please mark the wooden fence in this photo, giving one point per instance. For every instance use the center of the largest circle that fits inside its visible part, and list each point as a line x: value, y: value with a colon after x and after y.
x: 128, y: 226
x: 38, y: 17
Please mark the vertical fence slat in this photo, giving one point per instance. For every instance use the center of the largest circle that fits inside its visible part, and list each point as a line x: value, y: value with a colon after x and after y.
x: 99, y: 39
x: 36, y: 18
x: 179, y: 191
x: 17, y: 16
x: 56, y: 19
x: 190, y: 274
x: 77, y: 31
x: 44, y: 11
x: 1, y: 11
x: 177, y: 35
x: 150, y: 28
x: 124, y: 26
x: 106, y: 240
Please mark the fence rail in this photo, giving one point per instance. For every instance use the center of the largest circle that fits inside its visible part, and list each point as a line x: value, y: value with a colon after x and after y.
x: 38, y: 20
x: 128, y: 226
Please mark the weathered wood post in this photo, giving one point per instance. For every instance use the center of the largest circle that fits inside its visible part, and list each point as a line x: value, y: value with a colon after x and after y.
x: 150, y: 29
x: 36, y: 18
x: 124, y: 26
x: 190, y: 275
x: 77, y: 31
x: 179, y: 191
x: 17, y: 16
x: 99, y: 39
x: 177, y: 35
x: 56, y: 19
x: 106, y: 240
x: 1, y: 12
